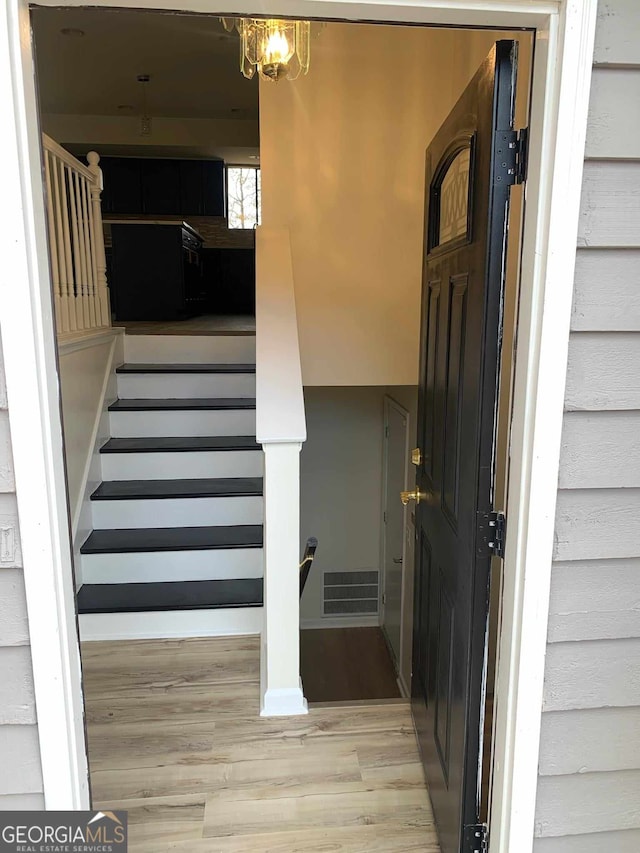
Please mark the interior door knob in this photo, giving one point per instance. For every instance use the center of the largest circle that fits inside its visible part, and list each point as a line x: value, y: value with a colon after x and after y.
x: 414, y: 495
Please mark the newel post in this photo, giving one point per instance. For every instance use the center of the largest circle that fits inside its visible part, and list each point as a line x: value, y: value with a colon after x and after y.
x: 281, y: 688
x: 93, y: 158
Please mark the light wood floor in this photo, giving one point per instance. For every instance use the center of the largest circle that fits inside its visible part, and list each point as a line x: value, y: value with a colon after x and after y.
x: 208, y: 324
x: 175, y: 738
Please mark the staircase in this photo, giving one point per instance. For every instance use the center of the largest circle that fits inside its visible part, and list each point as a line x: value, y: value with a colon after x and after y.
x: 178, y: 516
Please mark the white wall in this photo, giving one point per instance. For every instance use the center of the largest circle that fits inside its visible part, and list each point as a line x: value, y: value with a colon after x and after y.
x: 342, y: 156
x: 233, y: 140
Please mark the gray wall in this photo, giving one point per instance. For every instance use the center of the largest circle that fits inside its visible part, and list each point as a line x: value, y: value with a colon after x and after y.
x: 589, y: 785
x: 341, y: 482
x: 20, y: 774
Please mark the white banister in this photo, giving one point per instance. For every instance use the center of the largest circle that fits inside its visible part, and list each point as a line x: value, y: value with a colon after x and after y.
x: 281, y: 429
x: 76, y: 240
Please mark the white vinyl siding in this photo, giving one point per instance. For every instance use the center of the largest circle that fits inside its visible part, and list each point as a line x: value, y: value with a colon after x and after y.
x: 589, y: 785
x: 20, y: 773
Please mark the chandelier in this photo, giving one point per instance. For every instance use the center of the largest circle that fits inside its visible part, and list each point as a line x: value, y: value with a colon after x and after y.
x: 274, y: 48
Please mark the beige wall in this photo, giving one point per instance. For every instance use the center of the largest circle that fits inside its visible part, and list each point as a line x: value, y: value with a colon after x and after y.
x: 342, y: 156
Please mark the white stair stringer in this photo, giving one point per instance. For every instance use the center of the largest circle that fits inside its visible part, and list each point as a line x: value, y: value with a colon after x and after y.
x: 151, y: 566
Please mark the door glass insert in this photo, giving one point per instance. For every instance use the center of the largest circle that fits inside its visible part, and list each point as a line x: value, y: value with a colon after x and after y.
x: 454, y: 198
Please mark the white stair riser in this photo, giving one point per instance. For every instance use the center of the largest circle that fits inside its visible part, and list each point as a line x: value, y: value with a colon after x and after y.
x: 190, y: 349
x: 149, y: 566
x: 168, y: 386
x: 143, y: 424
x: 224, y: 622
x: 182, y: 465
x: 177, y: 512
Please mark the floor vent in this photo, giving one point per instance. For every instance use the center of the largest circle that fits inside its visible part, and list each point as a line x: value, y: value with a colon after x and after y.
x: 350, y: 593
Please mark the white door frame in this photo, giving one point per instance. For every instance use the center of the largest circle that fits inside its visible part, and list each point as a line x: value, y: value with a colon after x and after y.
x: 564, y: 40
x: 390, y: 403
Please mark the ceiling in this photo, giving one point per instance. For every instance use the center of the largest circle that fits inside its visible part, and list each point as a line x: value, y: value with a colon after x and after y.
x: 192, y: 61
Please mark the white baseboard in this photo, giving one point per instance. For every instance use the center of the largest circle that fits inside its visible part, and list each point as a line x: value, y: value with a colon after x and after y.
x: 283, y: 702
x: 404, y: 690
x: 342, y: 622
x: 156, y: 625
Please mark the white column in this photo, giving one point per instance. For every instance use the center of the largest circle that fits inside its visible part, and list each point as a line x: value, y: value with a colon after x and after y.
x: 281, y: 688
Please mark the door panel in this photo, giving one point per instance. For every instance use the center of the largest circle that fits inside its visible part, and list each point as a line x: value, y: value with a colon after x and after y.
x: 465, y: 242
x: 396, y: 451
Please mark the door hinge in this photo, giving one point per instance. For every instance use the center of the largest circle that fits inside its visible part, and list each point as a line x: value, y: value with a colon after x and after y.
x: 497, y: 529
x: 510, y: 157
x: 492, y: 528
x: 476, y: 838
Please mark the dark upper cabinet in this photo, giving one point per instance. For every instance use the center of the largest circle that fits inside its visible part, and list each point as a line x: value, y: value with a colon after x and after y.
x: 163, y: 186
x: 122, y: 185
x: 160, y: 186
x: 213, y: 189
x: 191, y: 193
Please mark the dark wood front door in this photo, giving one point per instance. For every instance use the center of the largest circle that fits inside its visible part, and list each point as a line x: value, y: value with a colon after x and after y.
x: 467, y: 197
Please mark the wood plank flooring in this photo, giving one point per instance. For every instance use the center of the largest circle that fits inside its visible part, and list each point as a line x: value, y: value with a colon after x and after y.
x: 208, y: 324
x: 345, y: 664
x: 175, y: 738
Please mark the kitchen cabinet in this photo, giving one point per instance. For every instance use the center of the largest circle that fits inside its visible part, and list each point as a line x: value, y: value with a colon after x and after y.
x: 161, y: 187
x: 122, y: 185
x: 155, y: 186
x: 156, y: 270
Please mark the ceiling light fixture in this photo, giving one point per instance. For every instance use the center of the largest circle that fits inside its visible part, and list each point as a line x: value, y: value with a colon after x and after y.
x: 274, y: 48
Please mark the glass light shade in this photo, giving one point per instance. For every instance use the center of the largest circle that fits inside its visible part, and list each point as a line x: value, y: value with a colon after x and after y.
x: 274, y: 48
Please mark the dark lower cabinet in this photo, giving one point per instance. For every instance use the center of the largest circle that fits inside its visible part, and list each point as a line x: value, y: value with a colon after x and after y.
x: 230, y: 281
x: 156, y: 272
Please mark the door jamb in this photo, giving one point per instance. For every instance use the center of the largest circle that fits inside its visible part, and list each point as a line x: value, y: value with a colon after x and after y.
x: 390, y: 403
x: 565, y: 31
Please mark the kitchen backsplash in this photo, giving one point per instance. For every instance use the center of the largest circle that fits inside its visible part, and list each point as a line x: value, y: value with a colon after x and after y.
x: 214, y: 230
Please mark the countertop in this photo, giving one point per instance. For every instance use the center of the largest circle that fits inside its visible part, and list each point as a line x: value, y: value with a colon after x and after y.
x: 175, y: 222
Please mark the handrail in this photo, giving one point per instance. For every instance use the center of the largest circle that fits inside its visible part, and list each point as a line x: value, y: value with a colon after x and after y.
x: 307, y: 560
x: 76, y: 240
x: 61, y: 153
x: 280, y: 413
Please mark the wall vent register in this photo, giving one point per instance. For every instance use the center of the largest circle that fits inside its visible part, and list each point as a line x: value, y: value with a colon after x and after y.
x: 350, y: 593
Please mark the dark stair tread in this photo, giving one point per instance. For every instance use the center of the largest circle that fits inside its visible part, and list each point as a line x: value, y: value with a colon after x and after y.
x: 186, y: 368
x: 218, y: 487
x: 169, y: 595
x: 180, y: 444
x: 148, y: 539
x: 186, y: 404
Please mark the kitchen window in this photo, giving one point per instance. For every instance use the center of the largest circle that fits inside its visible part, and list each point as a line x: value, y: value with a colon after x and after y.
x: 243, y: 196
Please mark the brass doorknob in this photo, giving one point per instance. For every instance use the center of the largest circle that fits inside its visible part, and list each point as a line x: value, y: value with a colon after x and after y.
x: 415, y: 495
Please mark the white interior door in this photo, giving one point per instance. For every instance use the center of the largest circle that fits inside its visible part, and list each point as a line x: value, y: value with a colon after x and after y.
x: 396, y: 451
